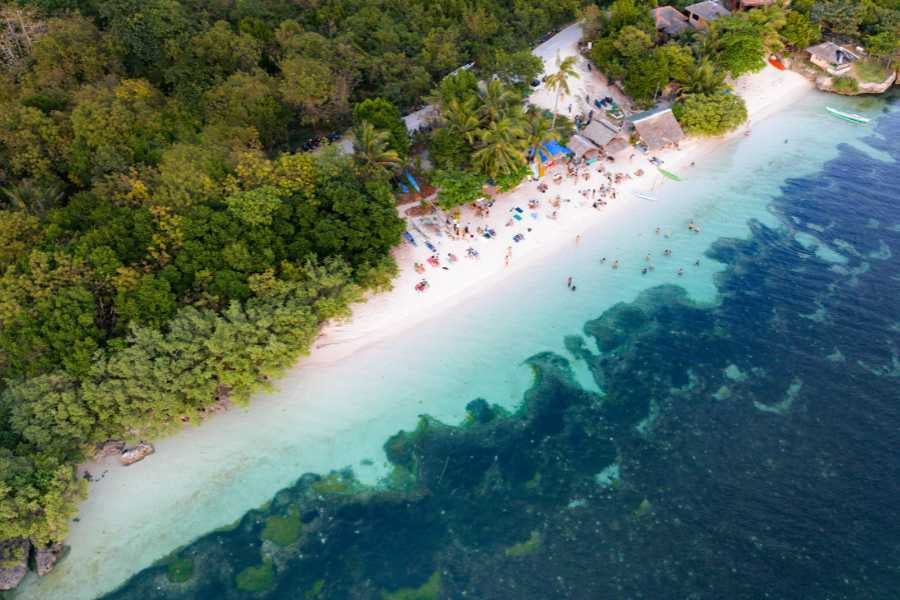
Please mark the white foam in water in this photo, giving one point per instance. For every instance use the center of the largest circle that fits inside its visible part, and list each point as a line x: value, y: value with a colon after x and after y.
x: 339, y: 415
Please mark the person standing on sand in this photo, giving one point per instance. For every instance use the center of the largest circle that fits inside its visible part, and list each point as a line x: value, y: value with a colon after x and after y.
x: 569, y: 282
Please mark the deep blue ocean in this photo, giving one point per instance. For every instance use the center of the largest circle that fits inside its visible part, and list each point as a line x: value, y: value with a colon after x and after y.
x: 747, y: 449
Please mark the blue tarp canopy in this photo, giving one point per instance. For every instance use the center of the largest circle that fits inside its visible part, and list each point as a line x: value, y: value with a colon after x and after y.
x: 555, y: 148
x: 541, y: 153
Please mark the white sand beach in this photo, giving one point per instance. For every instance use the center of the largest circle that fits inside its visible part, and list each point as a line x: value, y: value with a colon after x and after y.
x: 136, y: 515
x: 404, y: 307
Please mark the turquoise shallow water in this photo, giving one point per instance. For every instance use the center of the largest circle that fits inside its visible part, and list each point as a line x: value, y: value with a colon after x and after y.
x: 343, y: 414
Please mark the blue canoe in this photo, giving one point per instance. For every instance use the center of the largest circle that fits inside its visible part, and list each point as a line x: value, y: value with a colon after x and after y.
x: 412, y: 181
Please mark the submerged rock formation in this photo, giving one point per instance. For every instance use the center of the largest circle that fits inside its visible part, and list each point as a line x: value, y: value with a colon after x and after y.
x: 136, y: 453
x: 672, y: 483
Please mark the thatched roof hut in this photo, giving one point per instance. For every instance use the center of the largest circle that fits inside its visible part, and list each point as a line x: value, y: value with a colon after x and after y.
x: 617, y: 145
x: 703, y: 13
x: 599, y: 132
x: 582, y: 147
x: 669, y: 20
x: 657, y: 128
x: 832, y: 58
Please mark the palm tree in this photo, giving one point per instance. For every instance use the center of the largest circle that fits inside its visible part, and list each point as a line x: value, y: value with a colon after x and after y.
x: 461, y: 117
x: 370, y: 148
x: 536, y: 126
x: 502, y: 148
x: 33, y: 197
x: 770, y: 20
x: 496, y: 101
x: 703, y: 78
x: 706, y: 44
x: 559, y: 81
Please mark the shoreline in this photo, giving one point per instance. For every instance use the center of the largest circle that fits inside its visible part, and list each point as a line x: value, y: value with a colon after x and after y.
x: 387, y: 315
x: 383, y: 315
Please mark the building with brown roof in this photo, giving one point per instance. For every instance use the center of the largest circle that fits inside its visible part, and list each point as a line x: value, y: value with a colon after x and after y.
x: 657, y: 128
x: 836, y: 60
x: 599, y: 132
x: 701, y: 14
x: 582, y: 147
x: 669, y: 20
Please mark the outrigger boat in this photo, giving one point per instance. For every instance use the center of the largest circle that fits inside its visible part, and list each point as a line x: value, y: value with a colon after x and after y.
x: 852, y: 117
x: 669, y: 174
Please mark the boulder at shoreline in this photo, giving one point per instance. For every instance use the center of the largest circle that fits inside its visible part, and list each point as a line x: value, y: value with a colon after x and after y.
x: 44, y: 559
x: 137, y: 453
x: 111, y: 448
x: 13, y: 562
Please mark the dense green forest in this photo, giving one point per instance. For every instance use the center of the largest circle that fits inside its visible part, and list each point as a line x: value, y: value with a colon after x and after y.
x: 163, y: 244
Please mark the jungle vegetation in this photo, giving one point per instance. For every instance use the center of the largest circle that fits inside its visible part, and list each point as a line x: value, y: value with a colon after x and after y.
x: 164, y: 242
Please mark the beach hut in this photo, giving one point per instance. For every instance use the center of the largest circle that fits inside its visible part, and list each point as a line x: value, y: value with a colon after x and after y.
x: 617, y: 145
x: 657, y: 128
x: 836, y: 60
x: 600, y: 132
x: 669, y: 21
x: 703, y: 13
x: 583, y: 147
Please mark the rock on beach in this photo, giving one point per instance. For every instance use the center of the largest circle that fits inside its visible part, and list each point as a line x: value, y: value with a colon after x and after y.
x: 136, y: 453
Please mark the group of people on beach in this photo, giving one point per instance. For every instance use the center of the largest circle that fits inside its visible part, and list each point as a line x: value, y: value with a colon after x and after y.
x: 598, y: 195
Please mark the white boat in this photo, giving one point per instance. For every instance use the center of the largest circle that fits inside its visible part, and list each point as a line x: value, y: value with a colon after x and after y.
x: 646, y: 197
x: 852, y: 117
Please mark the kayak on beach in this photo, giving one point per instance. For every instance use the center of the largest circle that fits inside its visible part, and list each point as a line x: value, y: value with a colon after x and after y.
x: 852, y: 117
